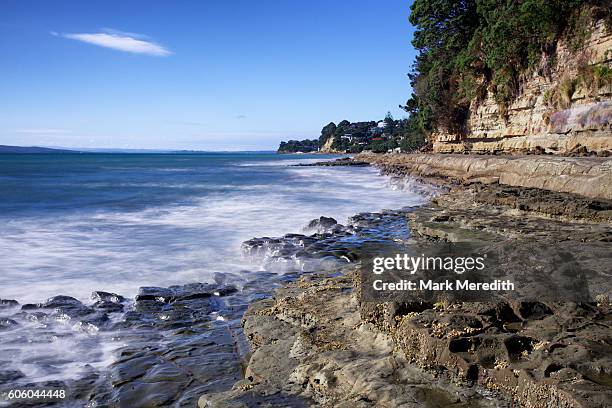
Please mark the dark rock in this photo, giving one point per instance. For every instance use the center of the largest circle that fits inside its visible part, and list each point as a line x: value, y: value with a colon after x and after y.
x: 108, y: 306
x: 61, y: 301
x: 107, y: 297
x: 322, y: 225
x: 544, y: 201
x: 10, y: 376
x: 163, y: 295
x: 8, y: 303
x: 94, y: 322
x: 192, y: 291
x: 37, y: 316
x: 65, y: 307
x: 345, y: 161
x: 7, y: 324
x: 224, y: 290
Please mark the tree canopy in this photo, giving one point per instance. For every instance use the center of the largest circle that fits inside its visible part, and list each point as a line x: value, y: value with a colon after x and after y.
x: 468, y: 46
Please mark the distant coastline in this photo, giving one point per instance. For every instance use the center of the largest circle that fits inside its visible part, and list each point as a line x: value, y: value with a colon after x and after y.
x: 6, y: 149
x: 34, y: 150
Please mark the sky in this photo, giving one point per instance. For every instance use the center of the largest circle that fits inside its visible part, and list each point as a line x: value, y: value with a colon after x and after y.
x: 204, y: 75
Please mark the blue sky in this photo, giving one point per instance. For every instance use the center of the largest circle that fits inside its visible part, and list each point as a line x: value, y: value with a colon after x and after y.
x: 210, y: 74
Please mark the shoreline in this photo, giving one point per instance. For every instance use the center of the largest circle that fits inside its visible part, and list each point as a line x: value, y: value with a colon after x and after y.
x: 306, y: 338
x: 497, y: 353
x: 158, y: 328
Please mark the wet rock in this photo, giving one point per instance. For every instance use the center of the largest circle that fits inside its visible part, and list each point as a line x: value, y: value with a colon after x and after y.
x: 66, y: 307
x: 322, y: 225
x: 175, y: 293
x: 192, y: 291
x: 108, y: 306
x: 94, y: 322
x: 224, y: 290
x: 100, y: 296
x: 37, y: 316
x: 163, y: 295
x: 61, y: 302
x: 176, y: 347
x: 8, y: 303
x: 10, y: 376
x: 7, y: 324
x: 346, y: 161
x: 131, y: 368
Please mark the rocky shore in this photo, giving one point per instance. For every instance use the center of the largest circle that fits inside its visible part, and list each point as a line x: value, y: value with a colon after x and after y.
x: 585, y: 176
x: 345, y: 161
x: 320, y: 340
x: 312, y: 337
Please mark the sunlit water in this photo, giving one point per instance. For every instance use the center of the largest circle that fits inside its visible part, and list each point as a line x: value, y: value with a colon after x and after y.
x: 72, y: 224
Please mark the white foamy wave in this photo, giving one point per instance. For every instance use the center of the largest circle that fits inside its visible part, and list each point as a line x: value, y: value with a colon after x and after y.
x: 118, y: 251
x: 286, y: 162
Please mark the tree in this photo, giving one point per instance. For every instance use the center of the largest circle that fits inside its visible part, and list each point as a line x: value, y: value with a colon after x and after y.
x: 469, y: 46
x: 389, y: 123
x: 383, y: 146
x: 327, y: 132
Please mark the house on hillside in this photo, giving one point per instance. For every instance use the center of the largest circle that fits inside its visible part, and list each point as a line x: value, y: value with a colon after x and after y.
x: 376, y: 130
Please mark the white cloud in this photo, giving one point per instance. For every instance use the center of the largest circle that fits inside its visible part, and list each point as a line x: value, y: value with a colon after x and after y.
x: 117, y: 40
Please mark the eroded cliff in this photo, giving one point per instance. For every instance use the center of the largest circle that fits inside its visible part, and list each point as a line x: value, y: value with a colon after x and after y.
x: 563, y: 107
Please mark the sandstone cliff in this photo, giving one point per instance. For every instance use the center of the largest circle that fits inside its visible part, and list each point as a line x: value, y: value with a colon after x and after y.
x: 565, y: 106
x: 585, y: 176
x: 327, y: 146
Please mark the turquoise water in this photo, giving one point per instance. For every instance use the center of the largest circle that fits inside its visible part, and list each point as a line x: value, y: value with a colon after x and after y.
x: 74, y: 223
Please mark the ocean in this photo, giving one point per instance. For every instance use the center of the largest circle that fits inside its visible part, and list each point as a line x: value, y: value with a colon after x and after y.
x: 75, y: 223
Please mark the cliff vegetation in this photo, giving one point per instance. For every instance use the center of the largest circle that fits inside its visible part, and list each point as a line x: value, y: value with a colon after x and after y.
x: 471, y: 48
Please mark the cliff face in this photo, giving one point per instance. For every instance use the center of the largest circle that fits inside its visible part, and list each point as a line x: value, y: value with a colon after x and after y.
x: 327, y: 146
x: 558, y: 109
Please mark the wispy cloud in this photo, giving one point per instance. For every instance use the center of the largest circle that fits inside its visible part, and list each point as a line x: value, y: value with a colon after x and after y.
x: 118, y: 40
x: 240, y: 116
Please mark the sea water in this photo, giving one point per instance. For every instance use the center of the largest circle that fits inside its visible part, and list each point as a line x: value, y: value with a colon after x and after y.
x: 74, y: 223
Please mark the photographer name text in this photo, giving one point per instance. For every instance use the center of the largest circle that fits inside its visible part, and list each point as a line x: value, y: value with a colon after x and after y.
x: 408, y: 285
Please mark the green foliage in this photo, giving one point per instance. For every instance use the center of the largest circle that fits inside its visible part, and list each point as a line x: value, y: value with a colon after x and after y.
x: 340, y: 144
x: 326, y: 132
x: 594, y: 77
x: 468, y: 46
x: 294, y: 146
x: 443, y: 32
x: 590, y: 79
x: 579, y: 24
x: 412, y: 134
x: 389, y: 123
x: 356, y: 137
x: 383, y: 146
